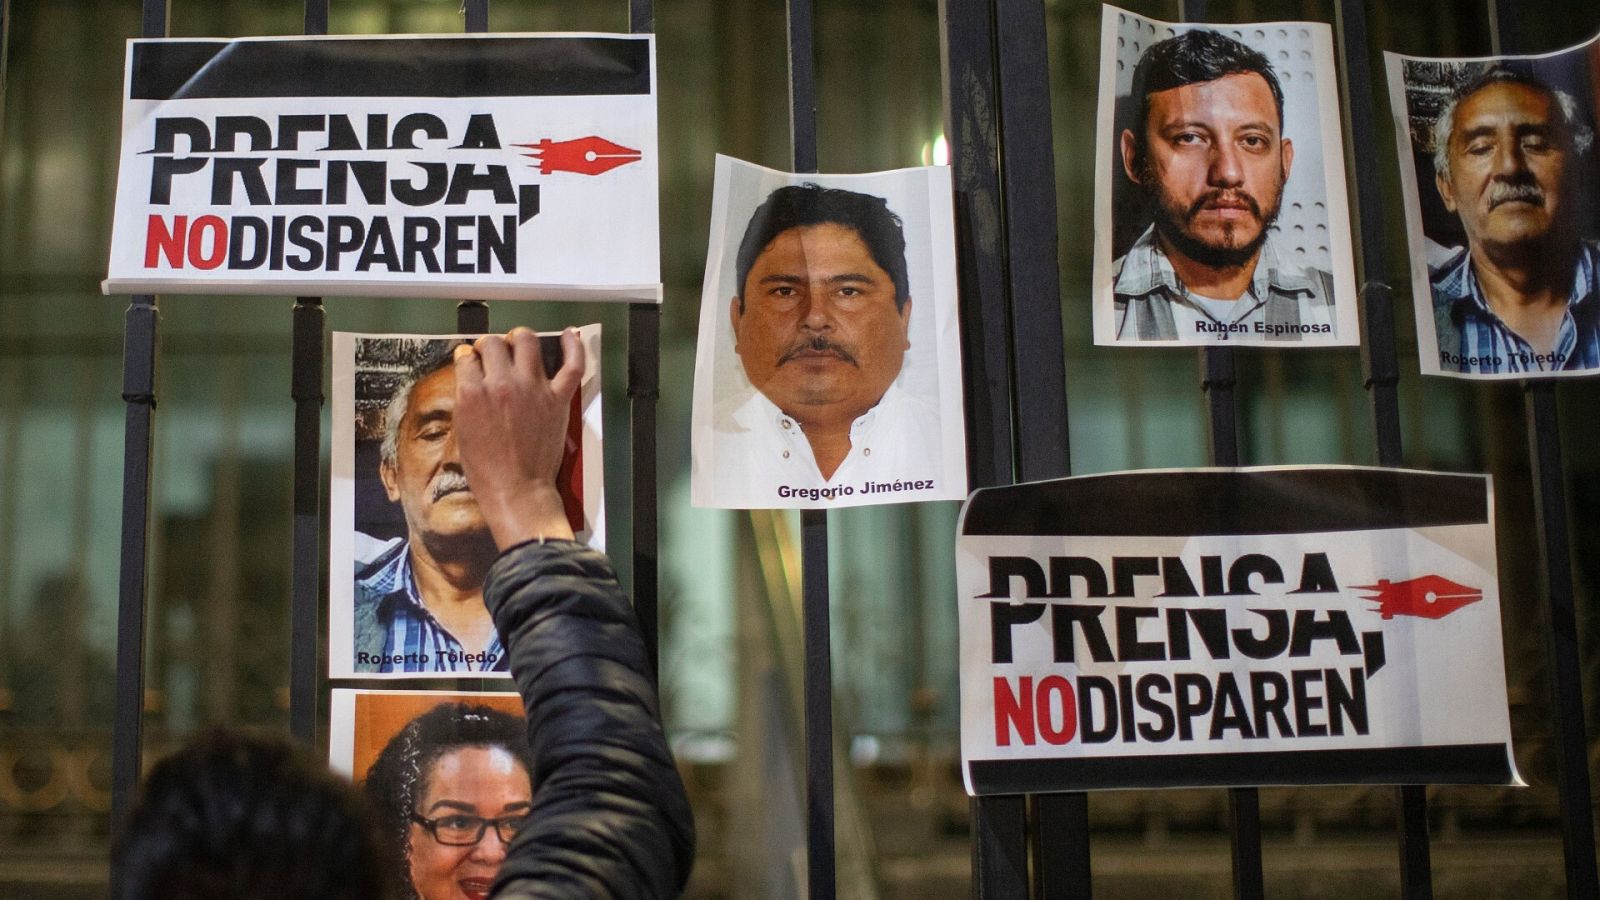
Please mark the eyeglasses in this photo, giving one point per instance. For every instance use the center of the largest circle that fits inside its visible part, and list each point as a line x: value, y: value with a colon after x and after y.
x: 464, y: 831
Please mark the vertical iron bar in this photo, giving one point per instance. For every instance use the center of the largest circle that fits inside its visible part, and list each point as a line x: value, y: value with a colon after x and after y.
x: 820, y: 875
x: 472, y: 316
x: 821, y: 880
x: 1059, y: 842
x: 1555, y: 562
x: 1381, y: 366
x: 1244, y: 838
x: 967, y: 56
x: 802, y: 85
x: 1561, y: 628
x: 305, y: 611
x: 1027, y: 166
x: 644, y: 387
x: 139, y: 392
x: 644, y: 379
x: 966, y: 41
x: 316, y: 17
x: 1218, y: 379
x: 306, y: 390
x: 477, y: 15
x: 1059, y: 839
x: 641, y: 16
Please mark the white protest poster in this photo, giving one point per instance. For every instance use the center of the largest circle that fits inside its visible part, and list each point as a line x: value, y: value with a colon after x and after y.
x: 408, y: 547
x: 828, y: 365
x: 490, y: 167
x: 1498, y: 174
x: 1231, y: 627
x: 1220, y: 211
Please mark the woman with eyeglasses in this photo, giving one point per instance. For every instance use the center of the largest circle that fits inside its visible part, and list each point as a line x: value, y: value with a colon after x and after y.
x: 450, y: 790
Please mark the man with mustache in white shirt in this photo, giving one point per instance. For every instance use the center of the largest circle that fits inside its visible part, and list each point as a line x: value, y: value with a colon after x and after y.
x: 822, y: 325
x: 419, y: 603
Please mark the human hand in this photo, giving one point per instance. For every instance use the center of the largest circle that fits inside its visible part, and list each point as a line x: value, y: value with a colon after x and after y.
x: 510, y: 426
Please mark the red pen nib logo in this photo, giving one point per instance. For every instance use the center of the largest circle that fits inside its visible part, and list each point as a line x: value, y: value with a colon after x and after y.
x: 585, y: 156
x: 1428, y: 597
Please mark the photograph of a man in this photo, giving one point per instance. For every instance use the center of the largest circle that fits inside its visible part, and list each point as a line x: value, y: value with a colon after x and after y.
x: 819, y: 402
x: 1205, y: 156
x: 1509, y: 256
x: 409, y: 564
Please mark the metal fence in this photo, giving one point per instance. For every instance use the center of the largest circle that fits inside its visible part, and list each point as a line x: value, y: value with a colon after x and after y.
x: 996, y: 74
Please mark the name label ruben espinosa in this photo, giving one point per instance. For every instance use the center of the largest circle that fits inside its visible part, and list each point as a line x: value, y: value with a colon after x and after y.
x: 1231, y: 627
x: 503, y: 167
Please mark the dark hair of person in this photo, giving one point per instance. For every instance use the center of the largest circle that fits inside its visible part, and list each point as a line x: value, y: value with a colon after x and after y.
x: 249, y: 817
x: 798, y: 206
x: 399, y: 776
x: 1192, y: 57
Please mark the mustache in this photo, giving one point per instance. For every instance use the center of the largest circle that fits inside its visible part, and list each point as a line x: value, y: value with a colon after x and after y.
x: 449, y: 482
x: 1514, y: 192
x: 818, y: 344
x: 1225, y: 196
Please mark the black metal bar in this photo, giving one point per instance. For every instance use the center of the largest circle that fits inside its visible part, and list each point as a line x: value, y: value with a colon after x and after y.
x: 802, y: 85
x: 306, y: 390
x: 477, y: 14
x: 1379, y: 361
x: 1506, y: 23
x: 644, y: 386
x: 140, y: 329
x: 999, y: 848
x: 1244, y: 827
x: 1416, y: 864
x: 1377, y: 303
x: 5, y: 55
x: 305, y: 609
x: 138, y: 390
x: 818, y: 705
x: 153, y: 20
x: 1561, y: 628
x: 821, y: 880
x: 1218, y: 379
x: 1059, y: 838
x: 1059, y: 842
x: 472, y: 317
x: 967, y: 57
x: 316, y: 17
x: 641, y: 16
x: 1027, y: 166
x: 966, y: 40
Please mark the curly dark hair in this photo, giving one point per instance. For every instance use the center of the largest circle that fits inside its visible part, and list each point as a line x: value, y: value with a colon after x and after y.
x: 398, y: 777
x: 251, y: 817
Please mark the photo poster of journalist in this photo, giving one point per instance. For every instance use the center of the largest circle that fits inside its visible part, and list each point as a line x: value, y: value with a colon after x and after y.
x: 440, y: 771
x: 828, y: 364
x: 408, y: 547
x: 1220, y: 208
x: 1498, y: 171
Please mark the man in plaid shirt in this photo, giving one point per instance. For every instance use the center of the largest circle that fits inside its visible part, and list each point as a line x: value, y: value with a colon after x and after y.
x: 1524, y: 295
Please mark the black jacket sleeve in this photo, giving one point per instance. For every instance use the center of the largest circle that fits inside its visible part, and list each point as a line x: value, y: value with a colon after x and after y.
x: 610, y: 818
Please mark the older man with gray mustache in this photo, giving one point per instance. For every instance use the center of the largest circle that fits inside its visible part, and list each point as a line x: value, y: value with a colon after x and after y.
x: 419, y: 604
x: 1523, y: 296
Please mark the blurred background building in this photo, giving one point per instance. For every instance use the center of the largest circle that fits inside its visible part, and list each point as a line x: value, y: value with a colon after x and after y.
x: 218, y: 651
